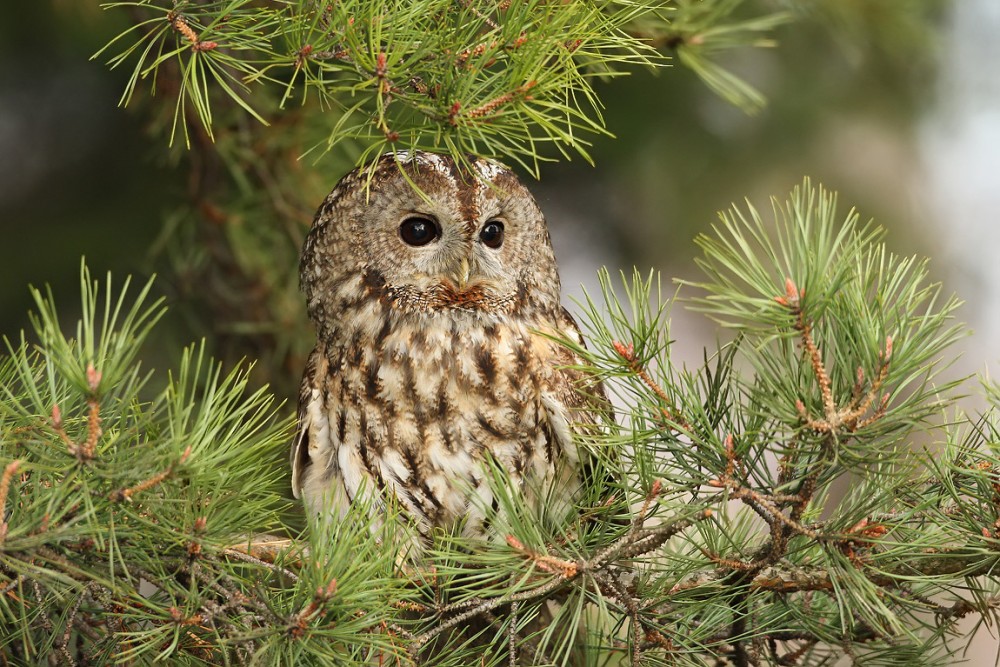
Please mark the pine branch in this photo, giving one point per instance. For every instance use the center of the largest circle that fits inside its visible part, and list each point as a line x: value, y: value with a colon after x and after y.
x: 145, y: 520
x: 497, y: 79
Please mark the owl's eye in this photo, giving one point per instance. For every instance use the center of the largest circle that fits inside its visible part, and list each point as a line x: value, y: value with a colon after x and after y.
x: 492, y: 234
x: 417, y: 231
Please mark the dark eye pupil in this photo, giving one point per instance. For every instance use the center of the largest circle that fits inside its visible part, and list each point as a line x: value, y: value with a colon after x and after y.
x: 492, y: 234
x: 418, y: 231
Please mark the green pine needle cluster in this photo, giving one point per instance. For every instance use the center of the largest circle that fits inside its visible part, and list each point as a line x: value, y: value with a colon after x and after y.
x: 494, y: 78
x: 810, y: 492
x: 266, y: 105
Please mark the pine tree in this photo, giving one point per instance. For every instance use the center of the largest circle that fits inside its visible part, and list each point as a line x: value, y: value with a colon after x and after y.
x: 144, y: 517
x: 267, y: 106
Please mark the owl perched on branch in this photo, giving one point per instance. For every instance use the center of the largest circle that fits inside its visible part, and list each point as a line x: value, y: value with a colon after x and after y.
x: 434, y: 291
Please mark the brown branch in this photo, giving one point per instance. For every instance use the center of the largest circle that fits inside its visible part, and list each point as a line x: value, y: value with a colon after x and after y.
x: 564, y: 568
x: 729, y: 563
x: 12, y: 584
x: 617, y: 591
x: 627, y: 353
x: 479, y: 49
x: 298, y: 623
x: 962, y: 608
x: 816, y: 359
x: 477, y: 606
x: 852, y: 416
x: 8, y: 474
x: 125, y: 495
x: 640, y: 518
x: 788, y: 578
x: 763, y: 506
x: 88, y: 448
x: 875, y: 416
x: 793, y: 656
x: 515, y: 607
x: 263, y: 557
x: 806, y: 491
x: 650, y: 539
x: 42, y: 613
x: 766, y: 506
x: 598, y: 566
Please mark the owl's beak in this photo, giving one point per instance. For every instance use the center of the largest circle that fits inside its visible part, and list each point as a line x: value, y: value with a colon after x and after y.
x: 462, y: 275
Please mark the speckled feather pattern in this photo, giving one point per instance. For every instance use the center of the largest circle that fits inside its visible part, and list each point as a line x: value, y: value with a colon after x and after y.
x: 419, y: 378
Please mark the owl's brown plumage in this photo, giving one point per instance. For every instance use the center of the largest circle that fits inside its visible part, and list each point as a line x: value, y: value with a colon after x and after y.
x: 432, y: 312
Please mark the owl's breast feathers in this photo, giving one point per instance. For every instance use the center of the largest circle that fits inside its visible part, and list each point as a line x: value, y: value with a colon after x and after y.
x: 414, y: 404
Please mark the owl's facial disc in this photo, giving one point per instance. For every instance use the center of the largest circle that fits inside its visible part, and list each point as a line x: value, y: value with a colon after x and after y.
x: 468, y: 237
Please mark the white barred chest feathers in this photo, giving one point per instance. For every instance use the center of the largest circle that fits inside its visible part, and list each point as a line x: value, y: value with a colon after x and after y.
x: 433, y: 358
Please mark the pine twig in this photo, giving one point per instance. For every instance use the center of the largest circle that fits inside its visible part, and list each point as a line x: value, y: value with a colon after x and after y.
x: 767, y: 507
x: 298, y: 623
x: 8, y: 474
x: 258, y: 558
x: 598, y: 566
x: 670, y: 413
x: 851, y: 417
x: 125, y: 494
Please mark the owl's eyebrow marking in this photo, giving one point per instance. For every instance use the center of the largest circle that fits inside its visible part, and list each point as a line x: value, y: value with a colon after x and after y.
x: 489, y: 170
x: 437, y: 163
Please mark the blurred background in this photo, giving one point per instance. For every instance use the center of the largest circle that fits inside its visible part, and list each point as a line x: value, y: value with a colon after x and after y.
x: 895, y: 104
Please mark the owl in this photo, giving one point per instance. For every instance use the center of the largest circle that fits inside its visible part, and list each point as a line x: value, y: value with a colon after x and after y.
x: 435, y: 296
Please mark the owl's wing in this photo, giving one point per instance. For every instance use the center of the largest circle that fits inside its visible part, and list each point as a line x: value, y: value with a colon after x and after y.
x: 312, y: 437
x: 578, y: 404
x: 579, y: 412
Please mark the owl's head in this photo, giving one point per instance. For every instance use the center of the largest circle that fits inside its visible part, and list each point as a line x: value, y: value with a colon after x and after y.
x: 421, y: 234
